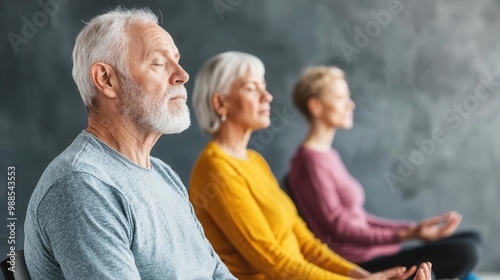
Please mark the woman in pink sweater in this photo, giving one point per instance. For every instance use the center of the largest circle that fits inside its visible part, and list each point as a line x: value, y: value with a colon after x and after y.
x: 331, y: 200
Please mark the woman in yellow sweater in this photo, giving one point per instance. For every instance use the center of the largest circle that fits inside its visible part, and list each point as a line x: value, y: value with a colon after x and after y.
x: 250, y: 221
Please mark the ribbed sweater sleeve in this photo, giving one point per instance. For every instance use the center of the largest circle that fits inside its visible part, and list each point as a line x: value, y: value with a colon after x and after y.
x: 346, y: 225
x: 318, y: 253
x: 237, y: 214
x: 386, y: 223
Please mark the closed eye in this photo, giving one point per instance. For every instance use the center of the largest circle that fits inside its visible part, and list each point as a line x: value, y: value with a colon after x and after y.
x: 158, y: 61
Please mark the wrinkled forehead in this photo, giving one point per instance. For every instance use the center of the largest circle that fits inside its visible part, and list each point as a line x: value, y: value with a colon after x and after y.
x: 148, y: 38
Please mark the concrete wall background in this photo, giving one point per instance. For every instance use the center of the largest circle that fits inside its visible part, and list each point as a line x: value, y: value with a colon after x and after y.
x: 423, y: 71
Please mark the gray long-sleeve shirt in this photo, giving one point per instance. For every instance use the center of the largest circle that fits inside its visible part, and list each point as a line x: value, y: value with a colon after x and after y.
x: 96, y: 215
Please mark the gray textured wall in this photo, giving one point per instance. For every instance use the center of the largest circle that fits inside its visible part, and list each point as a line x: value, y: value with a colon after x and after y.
x: 420, y: 72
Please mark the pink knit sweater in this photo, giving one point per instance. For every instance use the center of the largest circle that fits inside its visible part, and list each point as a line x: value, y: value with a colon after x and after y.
x: 331, y: 202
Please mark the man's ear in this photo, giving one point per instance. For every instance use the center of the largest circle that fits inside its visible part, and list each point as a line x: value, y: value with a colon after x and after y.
x: 315, y: 107
x: 105, y: 79
x: 217, y: 100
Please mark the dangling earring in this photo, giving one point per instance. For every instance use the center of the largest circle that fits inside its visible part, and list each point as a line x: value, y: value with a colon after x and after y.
x: 223, y: 118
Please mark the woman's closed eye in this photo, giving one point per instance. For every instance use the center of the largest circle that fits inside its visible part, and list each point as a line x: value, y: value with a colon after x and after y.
x: 158, y: 62
x: 255, y: 87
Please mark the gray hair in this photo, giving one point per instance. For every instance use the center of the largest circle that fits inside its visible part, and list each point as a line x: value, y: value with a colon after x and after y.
x: 216, y: 76
x: 105, y: 39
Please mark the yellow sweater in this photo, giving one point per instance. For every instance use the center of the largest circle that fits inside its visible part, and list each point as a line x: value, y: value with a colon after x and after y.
x: 253, y: 225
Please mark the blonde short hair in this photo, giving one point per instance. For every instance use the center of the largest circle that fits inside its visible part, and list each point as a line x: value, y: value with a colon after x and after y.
x: 311, y: 83
x: 217, y: 75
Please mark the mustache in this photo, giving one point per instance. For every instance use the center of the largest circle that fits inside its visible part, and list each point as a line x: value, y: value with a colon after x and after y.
x: 176, y: 92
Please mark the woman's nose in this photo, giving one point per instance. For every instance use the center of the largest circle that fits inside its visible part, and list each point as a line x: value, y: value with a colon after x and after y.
x: 267, y: 96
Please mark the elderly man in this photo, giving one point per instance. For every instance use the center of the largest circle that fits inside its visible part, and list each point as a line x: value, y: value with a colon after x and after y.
x: 105, y: 209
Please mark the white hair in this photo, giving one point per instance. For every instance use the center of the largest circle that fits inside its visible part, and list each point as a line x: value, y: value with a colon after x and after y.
x: 105, y: 39
x: 216, y: 76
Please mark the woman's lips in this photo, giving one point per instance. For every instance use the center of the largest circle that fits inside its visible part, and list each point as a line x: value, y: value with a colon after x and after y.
x: 265, y: 112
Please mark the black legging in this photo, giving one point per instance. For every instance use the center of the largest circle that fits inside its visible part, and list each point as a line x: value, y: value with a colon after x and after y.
x: 451, y: 257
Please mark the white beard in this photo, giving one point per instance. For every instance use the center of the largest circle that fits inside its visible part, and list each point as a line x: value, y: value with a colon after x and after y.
x: 155, y: 115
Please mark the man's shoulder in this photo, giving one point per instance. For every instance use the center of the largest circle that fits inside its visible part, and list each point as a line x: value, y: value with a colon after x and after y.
x: 81, y: 161
x: 82, y: 155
